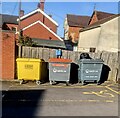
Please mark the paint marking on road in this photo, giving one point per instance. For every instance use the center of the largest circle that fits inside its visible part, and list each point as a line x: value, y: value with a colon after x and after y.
x: 64, y: 100
x: 117, y: 92
x: 103, y: 93
x: 92, y: 101
x: 109, y: 101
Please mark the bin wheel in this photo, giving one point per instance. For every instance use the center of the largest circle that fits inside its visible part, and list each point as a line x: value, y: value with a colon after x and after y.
x: 21, y: 81
x: 51, y: 82
x: 79, y: 81
x: 83, y: 83
x: 38, y: 82
x: 98, y: 83
x: 67, y: 83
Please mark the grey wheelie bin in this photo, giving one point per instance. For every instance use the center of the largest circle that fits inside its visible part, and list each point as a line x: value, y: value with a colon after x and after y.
x: 90, y: 70
x: 59, y: 70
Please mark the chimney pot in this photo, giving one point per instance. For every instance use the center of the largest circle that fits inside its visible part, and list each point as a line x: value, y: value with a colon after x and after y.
x: 50, y: 15
x: 42, y: 4
x: 38, y: 5
x: 21, y: 13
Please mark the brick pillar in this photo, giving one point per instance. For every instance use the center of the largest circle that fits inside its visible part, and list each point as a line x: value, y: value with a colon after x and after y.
x: 8, y: 55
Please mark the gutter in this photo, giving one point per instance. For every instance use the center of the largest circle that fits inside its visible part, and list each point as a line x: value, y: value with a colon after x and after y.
x: 89, y: 28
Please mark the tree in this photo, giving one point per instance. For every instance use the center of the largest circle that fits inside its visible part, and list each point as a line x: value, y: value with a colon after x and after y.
x: 26, y: 41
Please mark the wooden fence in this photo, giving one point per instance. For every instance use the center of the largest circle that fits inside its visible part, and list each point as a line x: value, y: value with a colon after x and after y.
x: 110, y: 59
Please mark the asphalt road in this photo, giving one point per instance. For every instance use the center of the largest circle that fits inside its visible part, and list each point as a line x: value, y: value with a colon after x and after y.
x: 59, y: 100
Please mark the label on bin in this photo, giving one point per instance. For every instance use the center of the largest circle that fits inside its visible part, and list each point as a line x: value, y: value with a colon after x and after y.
x: 60, y: 65
x: 28, y: 66
x: 59, y: 71
x: 91, y: 76
x: 91, y: 71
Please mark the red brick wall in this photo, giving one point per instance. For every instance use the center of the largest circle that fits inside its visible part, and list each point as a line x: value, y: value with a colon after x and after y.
x: 49, y: 24
x: 38, y: 31
x: 74, y: 33
x: 0, y: 53
x: 31, y: 19
x: 94, y: 19
x: 38, y: 16
x: 8, y: 55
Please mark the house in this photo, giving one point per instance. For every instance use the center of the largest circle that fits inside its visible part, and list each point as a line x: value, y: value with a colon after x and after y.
x: 8, y: 22
x: 37, y: 24
x: 72, y: 25
x: 100, y: 36
x: 98, y: 15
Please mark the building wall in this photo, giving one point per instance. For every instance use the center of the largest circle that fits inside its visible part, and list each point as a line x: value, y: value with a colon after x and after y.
x: 8, y: 56
x: 38, y: 16
x: 66, y: 29
x: 108, y: 40
x: 88, y: 39
x: 74, y: 33
x: 93, y: 19
x: 38, y: 31
x: 51, y: 25
x: 104, y: 38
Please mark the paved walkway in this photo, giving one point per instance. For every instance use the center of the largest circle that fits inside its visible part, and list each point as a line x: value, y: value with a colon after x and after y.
x: 60, y: 100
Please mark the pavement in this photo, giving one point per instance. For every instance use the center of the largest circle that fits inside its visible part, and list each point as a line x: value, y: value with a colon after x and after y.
x: 32, y: 100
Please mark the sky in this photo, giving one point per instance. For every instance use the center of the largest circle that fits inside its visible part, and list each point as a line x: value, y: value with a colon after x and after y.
x: 58, y: 10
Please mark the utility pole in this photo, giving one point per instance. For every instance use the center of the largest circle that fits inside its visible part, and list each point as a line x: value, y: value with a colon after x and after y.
x: 19, y: 30
x: 94, y: 7
x: 19, y: 23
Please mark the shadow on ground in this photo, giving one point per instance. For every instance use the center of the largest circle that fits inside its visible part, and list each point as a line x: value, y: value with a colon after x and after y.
x: 105, y: 73
x: 20, y: 103
x: 74, y: 73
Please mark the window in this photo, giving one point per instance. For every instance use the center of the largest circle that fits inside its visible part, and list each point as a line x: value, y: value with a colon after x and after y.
x: 92, y: 49
x: 13, y: 29
x: 50, y: 38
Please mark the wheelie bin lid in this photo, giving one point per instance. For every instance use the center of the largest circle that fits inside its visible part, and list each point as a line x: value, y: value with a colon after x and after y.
x: 60, y: 60
x: 29, y: 60
x: 91, y: 61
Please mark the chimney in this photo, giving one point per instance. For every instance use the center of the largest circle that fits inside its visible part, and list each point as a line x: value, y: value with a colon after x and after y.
x: 42, y: 4
x: 38, y: 5
x: 50, y: 15
x: 21, y: 13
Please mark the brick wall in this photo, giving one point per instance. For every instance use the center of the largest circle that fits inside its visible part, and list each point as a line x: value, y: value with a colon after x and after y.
x: 38, y: 31
x: 8, y: 55
x: 94, y: 19
x: 74, y: 33
x: 38, y: 16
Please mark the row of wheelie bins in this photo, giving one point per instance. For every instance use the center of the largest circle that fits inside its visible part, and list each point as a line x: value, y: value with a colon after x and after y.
x: 59, y: 70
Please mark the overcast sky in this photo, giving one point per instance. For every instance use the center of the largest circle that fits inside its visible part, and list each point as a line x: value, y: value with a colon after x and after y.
x: 58, y: 10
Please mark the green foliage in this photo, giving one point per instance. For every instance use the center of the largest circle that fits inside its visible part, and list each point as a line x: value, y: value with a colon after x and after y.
x: 26, y: 41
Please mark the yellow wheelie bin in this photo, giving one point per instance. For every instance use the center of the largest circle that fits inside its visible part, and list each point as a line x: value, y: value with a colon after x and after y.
x: 31, y: 69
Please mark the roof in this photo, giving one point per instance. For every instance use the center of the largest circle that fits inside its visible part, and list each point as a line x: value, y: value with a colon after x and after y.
x: 49, y: 43
x: 98, y: 23
x: 77, y: 20
x: 36, y: 11
x: 101, y: 15
x: 8, y: 19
